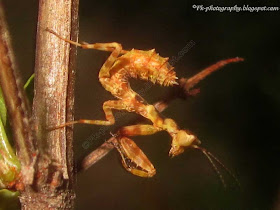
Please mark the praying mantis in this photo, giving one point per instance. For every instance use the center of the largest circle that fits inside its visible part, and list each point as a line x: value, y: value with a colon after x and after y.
x: 113, y: 75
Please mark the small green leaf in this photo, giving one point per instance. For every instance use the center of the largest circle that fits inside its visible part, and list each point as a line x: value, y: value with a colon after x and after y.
x: 27, y: 84
x: 3, y: 110
x: 28, y: 87
x: 9, y: 200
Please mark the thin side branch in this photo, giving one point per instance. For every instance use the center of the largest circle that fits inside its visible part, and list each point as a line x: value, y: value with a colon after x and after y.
x: 17, y: 105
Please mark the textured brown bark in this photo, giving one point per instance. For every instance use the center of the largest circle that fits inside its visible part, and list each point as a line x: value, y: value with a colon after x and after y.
x: 53, y: 104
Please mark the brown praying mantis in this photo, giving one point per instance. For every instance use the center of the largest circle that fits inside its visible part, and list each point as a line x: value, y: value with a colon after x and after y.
x: 113, y: 75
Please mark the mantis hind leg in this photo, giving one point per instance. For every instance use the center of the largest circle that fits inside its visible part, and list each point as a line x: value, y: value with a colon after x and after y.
x: 86, y: 45
x: 113, y: 47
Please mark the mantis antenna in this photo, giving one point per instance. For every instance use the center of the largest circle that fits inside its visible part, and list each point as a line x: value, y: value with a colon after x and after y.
x: 210, y: 157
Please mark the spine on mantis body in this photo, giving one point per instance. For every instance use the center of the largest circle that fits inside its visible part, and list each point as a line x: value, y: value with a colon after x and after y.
x: 146, y: 65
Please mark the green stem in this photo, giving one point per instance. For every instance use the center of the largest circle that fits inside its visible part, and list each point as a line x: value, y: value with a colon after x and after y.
x: 9, y: 163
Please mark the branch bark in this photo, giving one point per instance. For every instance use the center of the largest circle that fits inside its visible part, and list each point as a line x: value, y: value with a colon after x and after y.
x: 53, y: 104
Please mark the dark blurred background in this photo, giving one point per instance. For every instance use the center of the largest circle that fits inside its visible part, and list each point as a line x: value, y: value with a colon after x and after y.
x: 236, y: 114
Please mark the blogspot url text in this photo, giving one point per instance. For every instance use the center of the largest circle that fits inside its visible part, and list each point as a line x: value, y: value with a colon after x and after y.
x: 235, y: 8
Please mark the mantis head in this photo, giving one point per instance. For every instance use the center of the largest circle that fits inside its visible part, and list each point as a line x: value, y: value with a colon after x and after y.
x: 182, y: 140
